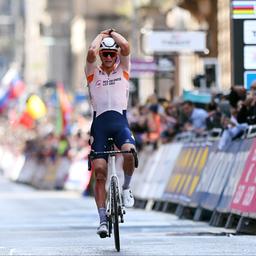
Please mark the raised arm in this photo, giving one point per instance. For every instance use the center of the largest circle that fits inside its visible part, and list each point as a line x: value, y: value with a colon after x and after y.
x: 92, y: 54
x: 121, y: 41
x: 94, y: 48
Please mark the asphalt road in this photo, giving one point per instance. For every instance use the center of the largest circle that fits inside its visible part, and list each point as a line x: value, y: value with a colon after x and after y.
x: 36, y: 222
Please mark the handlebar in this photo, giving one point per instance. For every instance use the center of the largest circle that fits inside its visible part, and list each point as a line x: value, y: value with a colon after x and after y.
x: 93, y: 154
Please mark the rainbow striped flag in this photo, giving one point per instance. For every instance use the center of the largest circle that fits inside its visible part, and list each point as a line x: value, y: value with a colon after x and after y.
x: 244, y: 9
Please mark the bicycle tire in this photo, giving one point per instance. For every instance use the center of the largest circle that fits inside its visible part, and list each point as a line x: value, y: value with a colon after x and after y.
x: 115, y: 199
x: 109, y: 226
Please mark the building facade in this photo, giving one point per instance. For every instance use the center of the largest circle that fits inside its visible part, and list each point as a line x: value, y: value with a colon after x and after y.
x: 51, y: 38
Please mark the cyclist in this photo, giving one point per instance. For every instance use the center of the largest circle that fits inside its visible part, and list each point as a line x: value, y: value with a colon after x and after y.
x: 109, y: 90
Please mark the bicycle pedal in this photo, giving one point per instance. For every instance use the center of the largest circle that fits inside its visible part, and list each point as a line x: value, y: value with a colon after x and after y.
x: 103, y: 235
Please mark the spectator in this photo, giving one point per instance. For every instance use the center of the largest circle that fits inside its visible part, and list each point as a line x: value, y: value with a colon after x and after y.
x: 247, y: 108
x: 236, y: 94
x: 232, y: 130
x: 154, y: 125
x: 63, y: 146
x: 214, y: 116
x: 224, y: 105
x: 138, y: 125
x: 171, y: 124
x: 253, y: 88
x: 196, y: 117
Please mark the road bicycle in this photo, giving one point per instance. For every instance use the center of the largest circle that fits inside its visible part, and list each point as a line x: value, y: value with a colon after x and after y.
x: 114, y: 206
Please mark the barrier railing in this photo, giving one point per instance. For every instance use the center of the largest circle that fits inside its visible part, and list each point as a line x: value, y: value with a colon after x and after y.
x: 191, y: 177
x: 204, y: 181
x: 60, y: 173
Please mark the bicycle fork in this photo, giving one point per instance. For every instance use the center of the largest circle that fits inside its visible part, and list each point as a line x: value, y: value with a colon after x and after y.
x: 113, y: 176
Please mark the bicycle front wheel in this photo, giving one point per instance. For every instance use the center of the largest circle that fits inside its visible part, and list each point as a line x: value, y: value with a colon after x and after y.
x: 115, y: 201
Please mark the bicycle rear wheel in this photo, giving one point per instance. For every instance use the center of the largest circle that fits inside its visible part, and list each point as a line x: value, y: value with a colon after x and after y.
x: 115, y: 201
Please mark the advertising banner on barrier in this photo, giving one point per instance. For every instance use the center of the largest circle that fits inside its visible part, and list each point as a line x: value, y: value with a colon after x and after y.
x: 79, y: 177
x: 11, y: 163
x: 176, y: 176
x: 155, y: 168
x: 244, y: 199
x: 169, y: 154
x: 193, y: 177
x: 222, y: 172
x: 27, y: 171
x: 207, y: 175
x: 150, y: 173
x: 144, y: 157
x: 156, y: 171
x: 181, y: 172
x: 236, y: 172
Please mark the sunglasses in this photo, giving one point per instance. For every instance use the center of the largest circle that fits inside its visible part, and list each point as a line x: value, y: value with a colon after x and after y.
x: 111, y: 54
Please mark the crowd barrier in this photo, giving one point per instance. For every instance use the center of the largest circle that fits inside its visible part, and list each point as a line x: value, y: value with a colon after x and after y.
x: 190, y: 177
x: 194, y: 179
x: 48, y: 174
x: 11, y: 162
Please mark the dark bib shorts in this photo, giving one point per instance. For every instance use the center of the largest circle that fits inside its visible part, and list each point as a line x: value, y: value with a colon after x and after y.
x: 110, y: 124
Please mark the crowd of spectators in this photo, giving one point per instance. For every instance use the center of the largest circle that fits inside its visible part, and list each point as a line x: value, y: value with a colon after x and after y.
x: 52, y: 149
x: 160, y: 120
x: 44, y: 147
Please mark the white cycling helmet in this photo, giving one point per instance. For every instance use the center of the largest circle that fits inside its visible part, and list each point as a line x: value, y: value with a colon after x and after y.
x: 108, y: 43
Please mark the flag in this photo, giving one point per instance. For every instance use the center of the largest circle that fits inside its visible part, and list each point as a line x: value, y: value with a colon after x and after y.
x: 64, y: 109
x: 17, y: 87
x: 244, y: 9
x: 12, y: 86
x: 26, y: 120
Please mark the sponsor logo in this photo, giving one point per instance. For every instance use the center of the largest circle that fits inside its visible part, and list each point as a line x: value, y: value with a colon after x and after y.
x: 111, y: 81
x: 98, y: 83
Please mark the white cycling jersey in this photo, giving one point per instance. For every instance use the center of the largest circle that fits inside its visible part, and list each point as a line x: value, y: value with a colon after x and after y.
x: 109, y: 92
